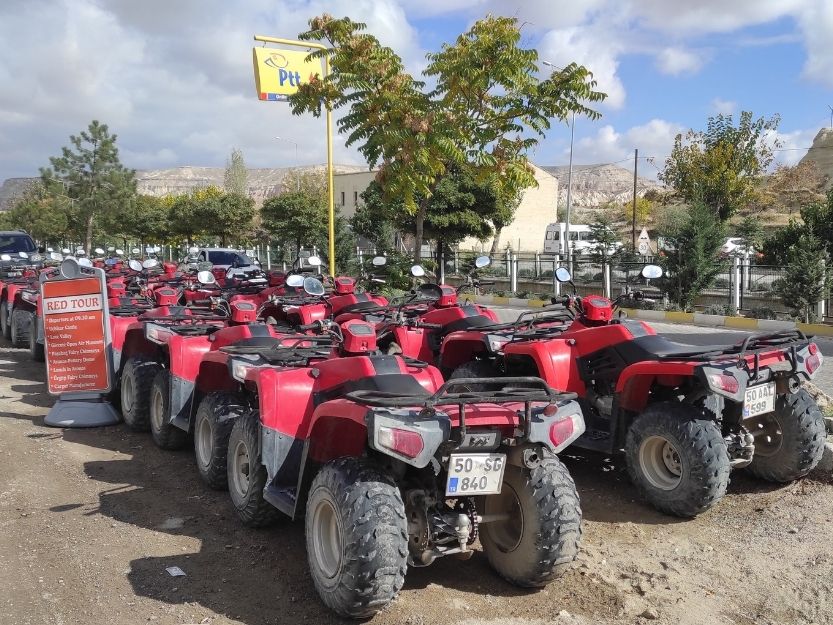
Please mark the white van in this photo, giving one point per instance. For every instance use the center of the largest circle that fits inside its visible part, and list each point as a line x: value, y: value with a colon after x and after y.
x: 581, y: 239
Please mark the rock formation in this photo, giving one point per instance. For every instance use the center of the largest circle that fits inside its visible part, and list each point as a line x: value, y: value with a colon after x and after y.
x: 596, y: 185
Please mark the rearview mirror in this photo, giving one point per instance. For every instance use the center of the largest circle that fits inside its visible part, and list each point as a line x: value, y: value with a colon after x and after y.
x: 65, y: 251
x: 379, y: 261
x: 135, y: 265
x: 313, y: 286
x: 111, y: 249
x: 562, y: 274
x: 150, y: 263
x: 206, y: 277
x: 417, y: 271
x: 110, y: 262
x: 432, y: 291
x: 119, y: 252
x: 482, y: 261
x: 315, y: 261
x: 651, y: 271
x: 295, y: 281
x: 55, y: 256
x: 99, y: 251
x: 85, y: 262
x: 135, y: 250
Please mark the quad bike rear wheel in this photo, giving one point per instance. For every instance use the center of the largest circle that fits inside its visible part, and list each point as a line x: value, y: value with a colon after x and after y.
x: 21, y: 327
x: 212, y: 427
x: 165, y: 434
x: 789, y: 442
x: 357, y: 537
x: 36, y: 349
x: 677, y: 458
x: 136, y: 382
x: 246, y: 473
x: 5, y: 325
x: 474, y: 369
x: 539, y: 538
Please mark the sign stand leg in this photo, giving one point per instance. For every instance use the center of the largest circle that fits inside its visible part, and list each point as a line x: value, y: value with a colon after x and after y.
x: 79, y: 412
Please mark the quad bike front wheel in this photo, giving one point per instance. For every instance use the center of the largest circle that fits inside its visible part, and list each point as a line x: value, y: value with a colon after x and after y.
x: 789, y: 442
x: 677, y: 458
x: 536, y: 537
x: 165, y: 434
x: 212, y: 427
x: 21, y: 327
x: 246, y: 473
x: 356, y: 534
x: 136, y: 382
x: 5, y: 325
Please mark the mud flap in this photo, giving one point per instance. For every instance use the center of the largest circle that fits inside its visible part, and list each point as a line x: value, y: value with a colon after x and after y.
x: 182, y: 394
x: 284, y: 457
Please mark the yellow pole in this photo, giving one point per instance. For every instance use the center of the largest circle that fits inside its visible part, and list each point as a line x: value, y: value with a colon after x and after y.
x: 331, y: 191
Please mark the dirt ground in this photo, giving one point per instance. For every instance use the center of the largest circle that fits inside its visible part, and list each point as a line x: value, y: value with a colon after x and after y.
x: 91, y: 519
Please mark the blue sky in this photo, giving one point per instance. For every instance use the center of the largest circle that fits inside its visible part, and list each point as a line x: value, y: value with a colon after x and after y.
x: 173, y: 79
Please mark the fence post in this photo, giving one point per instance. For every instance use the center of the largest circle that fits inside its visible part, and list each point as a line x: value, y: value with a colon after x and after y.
x: 821, y: 306
x: 456, y: 261
x: 441, y: 273
x: 360, y: 255
x: 736, y: 285
x: 268, y: 257
x: 508, y: 263
x: 513, y: 273
x: 606, y: 279
x: 556, y: 285
x: 537, y: 265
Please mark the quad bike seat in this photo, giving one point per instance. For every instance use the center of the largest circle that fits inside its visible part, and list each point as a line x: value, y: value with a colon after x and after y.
x: 655, y: 347
x: 467, y: 323
x: 399, y: 384
x: 360, y: 307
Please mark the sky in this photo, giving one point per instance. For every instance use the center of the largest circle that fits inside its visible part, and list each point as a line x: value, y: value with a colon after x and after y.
x: 173, y: 78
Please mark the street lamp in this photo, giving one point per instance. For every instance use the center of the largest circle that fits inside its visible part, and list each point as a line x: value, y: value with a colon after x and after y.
x: 297, y: 177
x: 566, y: 246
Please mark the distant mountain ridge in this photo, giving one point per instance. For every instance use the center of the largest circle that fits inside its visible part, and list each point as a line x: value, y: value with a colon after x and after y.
x: 263, y: 182
x: 596, y: 185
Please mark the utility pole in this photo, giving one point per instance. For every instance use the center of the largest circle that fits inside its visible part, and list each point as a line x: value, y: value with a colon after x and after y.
x: 831, y: 115
x: 633, y: 223
x: 569, y: 191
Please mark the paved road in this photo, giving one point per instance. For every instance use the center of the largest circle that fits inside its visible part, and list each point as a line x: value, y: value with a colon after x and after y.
x: 700, y: 335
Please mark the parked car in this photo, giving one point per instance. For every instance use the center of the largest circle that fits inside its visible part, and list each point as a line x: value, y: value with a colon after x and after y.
x: 17, y: 250
x: 735, y: 246
x: 224, y: 257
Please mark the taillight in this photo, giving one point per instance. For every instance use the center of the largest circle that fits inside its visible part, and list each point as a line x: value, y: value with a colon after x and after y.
x: 404, y: 442
x: 724, y: 382
x: 562, y: 430
x: 550, y: 410
x: 812, y: 363
x: 813, y: 348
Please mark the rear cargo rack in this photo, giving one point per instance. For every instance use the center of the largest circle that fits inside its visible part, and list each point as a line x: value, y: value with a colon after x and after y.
x: 752, y: 345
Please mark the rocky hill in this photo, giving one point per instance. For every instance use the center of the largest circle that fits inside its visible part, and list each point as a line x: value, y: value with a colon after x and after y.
x: 821, y: 153
x: 263, y: 182
x: 596, y: 185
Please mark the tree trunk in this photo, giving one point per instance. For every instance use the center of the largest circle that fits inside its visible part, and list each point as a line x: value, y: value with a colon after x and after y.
x: 88, y: 237
x: 495, y: 242
x: 420, y: 222
x: 223, y: 239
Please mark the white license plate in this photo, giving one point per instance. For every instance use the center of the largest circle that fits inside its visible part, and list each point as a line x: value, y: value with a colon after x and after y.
x: 475, y: 474
x: 759, y: 400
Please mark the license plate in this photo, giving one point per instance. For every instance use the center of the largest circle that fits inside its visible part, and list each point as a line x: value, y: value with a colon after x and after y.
x: 475, y: 474
x: 759, y: 400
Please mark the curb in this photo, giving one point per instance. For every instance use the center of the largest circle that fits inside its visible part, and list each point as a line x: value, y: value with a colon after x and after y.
x: 699, y: 319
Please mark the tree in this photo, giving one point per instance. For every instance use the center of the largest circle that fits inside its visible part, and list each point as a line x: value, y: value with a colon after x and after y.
x: 750, y: 232
x: 486, y: 98
x: 804, y: 283
x: 236, y: 178
x: 644, y: 210
x: 297, y: 217
x: 604, y: 237
x: 146, y: 218
x: 721, y: 166
x: 692, y: 260
x: 44, y: 216
x: 224, y: 214
x: 90, y: 174
x: 816, y: 221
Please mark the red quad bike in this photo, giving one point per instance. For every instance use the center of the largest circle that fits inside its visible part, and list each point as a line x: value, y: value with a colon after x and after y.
x: 345, y: 303
x: 19, y: 275
x: 684, y: 415
x: 392, y: 468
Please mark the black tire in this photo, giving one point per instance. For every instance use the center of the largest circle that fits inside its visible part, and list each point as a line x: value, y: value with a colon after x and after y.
x: 246, y: 475
x: 165, y: 434
x: 677, y: 458
x: 213, y: 422
x: 36, y: 349
x: 363, y: 569
x: 136, y: 382
x: 541, y: 540
x: 21, y: 327
x: 798, y: 443
x: 474, y: 369
x: 5, y: 325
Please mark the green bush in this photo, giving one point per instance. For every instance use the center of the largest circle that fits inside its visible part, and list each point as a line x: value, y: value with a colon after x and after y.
x: 719, y: 309
x: 762, y: 312
x: 721, y: 283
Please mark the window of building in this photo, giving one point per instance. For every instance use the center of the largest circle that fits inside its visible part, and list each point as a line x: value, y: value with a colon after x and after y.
x: 342, y: 198
x: 355, y: 197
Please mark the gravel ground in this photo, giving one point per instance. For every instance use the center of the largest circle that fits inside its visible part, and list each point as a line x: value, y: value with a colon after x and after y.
x: 90, y: 520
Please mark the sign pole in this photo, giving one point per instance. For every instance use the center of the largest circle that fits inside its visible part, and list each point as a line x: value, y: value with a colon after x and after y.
x: 331, y: 191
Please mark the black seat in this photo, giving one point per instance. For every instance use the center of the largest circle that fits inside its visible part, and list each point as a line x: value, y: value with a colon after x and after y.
x: 467, y: 323
x: 257, y: 341
x: 655, y: 347
x: 394, y: 383
x: 359, y: 307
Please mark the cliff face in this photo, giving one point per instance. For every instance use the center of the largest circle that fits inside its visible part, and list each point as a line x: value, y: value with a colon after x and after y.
x: 821, y: 153
x: 263, y: 183
x: 595, y: 185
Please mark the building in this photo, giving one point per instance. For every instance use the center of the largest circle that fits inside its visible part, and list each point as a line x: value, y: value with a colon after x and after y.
x: 525, y: 233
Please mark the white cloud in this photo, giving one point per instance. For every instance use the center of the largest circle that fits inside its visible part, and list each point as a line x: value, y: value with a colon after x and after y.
x: 724, y: 107
x: 793, y: 145
x: 654, y: 141
x: 675, y: 61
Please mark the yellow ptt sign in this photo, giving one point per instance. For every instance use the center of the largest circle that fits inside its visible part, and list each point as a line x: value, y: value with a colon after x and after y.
x: 279, y: 73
